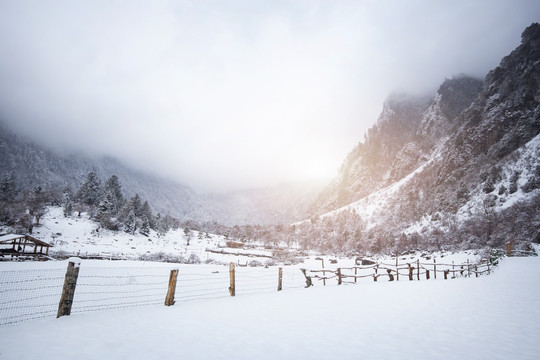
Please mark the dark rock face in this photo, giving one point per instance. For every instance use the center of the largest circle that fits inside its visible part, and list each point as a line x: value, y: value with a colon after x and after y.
x: 457, y: 94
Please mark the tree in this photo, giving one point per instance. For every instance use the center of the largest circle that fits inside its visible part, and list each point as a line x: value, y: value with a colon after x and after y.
x: 8, y: 190
x: 68, y: 206
x: 513, y: 187
x: 135, y: 204
x: 36, y: 204
x: 113, y: 190
x: 90, y: 191
x: 145, y: 227
x: 130, y: 224
x: 105, y: 212
x: 488, y: 185
x: 162, y: 225
x: 146, y: 214
x: 187, y: 232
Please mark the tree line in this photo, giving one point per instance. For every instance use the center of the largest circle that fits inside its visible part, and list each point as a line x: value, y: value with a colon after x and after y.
x: 105, y: 203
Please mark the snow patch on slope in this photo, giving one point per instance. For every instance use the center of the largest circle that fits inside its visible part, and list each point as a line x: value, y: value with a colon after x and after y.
x: 369, y: 206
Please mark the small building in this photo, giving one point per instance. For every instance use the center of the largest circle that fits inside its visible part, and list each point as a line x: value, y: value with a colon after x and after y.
x: 14, y: 245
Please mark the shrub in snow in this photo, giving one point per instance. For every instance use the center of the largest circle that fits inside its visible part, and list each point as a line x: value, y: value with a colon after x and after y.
x: 193, y: 259
x: 270, y: 262
x: 530, y: 185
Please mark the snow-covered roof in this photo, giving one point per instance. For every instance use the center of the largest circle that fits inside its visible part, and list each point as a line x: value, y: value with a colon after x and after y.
x: 10, y: 237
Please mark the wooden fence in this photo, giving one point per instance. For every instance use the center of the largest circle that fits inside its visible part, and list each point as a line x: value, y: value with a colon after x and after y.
x: 412, y: 270
x: 46, y: 292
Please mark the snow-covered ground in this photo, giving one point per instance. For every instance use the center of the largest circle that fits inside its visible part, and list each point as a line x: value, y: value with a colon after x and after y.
x: 79, y: 236
x: 490, y: 317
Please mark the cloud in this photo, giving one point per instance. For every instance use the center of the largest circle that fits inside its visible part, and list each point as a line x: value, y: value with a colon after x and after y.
x: 224, y: 95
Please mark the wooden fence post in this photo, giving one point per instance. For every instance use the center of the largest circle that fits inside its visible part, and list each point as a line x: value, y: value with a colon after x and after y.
x: 309, y: 282
x: 355, y: 273
x: 446, y: 272
x: 418, y: 269
x: 468, y: 268
x: 280, y: 279
x: 232, y: 287
x: 411, y: 269
x: 434, y: 269
x: 508, y: 249
x: 339, y: 276
x: 427, y: 274
x: 397, y: 269
x: 68, y: 291
x: 169, y: 299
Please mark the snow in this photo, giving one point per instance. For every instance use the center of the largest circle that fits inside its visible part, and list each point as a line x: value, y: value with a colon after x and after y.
x: 490, y: 317
x: 78, y: 236
x: 373, y: 204
x: 10, y: 237
x: 75, y: 260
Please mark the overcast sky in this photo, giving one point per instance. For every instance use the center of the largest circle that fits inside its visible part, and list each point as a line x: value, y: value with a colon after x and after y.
x: 223, y: 95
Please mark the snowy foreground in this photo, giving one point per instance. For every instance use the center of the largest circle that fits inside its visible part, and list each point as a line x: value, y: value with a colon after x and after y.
x: 490, y: 317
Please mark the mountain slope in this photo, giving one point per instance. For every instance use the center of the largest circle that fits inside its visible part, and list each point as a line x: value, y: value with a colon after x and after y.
x: 408, y: 130
x: 465, y: 171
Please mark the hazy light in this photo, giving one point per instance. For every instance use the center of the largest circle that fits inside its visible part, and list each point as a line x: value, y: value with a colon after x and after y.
x: 231, y: 94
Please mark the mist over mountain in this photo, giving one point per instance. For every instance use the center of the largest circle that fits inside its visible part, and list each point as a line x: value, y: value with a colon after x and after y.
x: 30, y: 165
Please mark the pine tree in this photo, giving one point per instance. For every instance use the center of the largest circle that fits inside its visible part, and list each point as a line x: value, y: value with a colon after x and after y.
x: 90, y: 191
x: 135, y: 204
x: 145, y: 227
x: 162, y: 225
x: 113, y: 190
x: 105, y: 211
x: 146, y: 213
x: 130, y: 224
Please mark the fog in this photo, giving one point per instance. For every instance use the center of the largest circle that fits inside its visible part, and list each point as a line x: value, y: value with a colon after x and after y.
x: 223, y: 95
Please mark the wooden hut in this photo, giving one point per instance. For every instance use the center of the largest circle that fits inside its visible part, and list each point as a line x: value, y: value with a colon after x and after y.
x: 23, y: 246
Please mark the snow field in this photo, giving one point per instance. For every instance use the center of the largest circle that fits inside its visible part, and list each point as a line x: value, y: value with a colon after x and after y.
x: 491, y: 317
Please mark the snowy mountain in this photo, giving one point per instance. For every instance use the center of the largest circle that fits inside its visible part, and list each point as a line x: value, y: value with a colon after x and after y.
x: 462, y: 167
x: 406, y: 133
x: 30, y: 164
